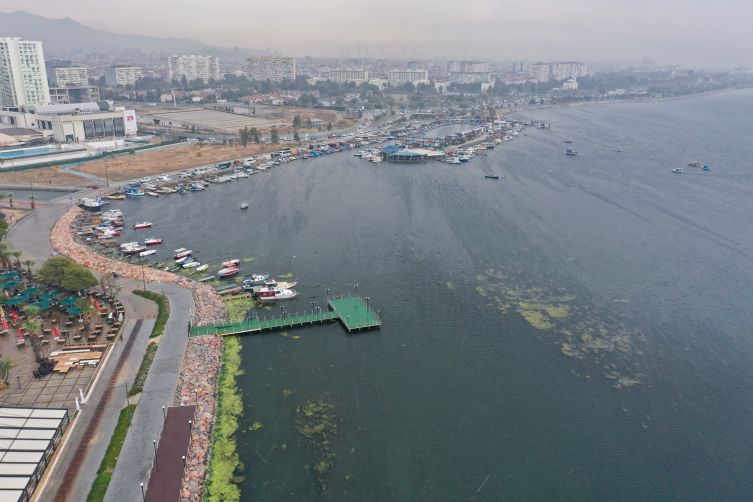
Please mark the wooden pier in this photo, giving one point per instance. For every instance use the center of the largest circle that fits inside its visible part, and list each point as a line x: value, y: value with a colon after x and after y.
x: 352, y: 312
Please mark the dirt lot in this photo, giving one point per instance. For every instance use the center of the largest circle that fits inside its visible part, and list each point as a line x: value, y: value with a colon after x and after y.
x: 45, y: 175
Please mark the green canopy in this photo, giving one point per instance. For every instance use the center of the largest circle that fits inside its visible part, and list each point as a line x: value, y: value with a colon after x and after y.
x: 9, y: 275
x: 16, y: 300
x: 9, y: 284
x: 71, y: 300
x: 42, y: 305
x: 47, y: 296
x: 74, y: 310
x: 34, y: 290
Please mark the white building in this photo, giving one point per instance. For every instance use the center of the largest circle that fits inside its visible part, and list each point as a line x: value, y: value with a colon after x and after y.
x: 570, y: 85
x: 382, y: 83
x: 401, y: 77
x: 121, y: 75
x: 563, y: 70
x: 193, y: 67
x: 271, y: 68
x: 341, y: 76
x: 541, y: 71
x: 466, y: 66
x: 23, y: 77
x: 60, y: 77
x: 470, y: 77
x: 442, y: 86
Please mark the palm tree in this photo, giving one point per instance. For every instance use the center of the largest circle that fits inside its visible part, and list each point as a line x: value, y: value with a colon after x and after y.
x: 86, y: 308
x: 6, y: 364
x: 32, y: 326
x: 32, y: 198
x: 29, y: 263
x: 2, y: 196
x: 17, y: 256
x: 4, y: 246
x: 10, y: 197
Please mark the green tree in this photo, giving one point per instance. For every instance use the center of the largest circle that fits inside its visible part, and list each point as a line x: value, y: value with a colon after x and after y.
x: 33, y: 198
x: 4, y: 247
x: 17, y: 256
x: 245, y: 135
x: 275, y: 136
x: 296, y: 137
x: 32, y: 326
x: 6, y: 364
x: 329, y: 126
x: 66, y: 274
x: 297, y: 121
x: 29, y: 264
x: 254, y: 134
x: 86, y: 309
x: 3, y: 228
x: 78, y: 279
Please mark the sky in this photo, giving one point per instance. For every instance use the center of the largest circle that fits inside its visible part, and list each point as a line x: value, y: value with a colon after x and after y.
x: 690, y: 32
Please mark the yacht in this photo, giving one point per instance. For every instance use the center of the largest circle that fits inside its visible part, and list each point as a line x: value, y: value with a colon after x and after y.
x: 276, y: 294
x: 182, y: 252
x: 677, y: 170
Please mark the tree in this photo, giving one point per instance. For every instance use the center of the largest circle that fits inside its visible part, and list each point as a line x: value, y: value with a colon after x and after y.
x: 296, y: 137
x: 6, y: 364
x: 17, y: 256
x: 254, y: 134
x: 32, y: 326
x: 297, y: 121
x: 329, y: 126
x: 86, y: 308
x: 108, y: 283
x: 10, y: 198
x: 245, y: 135
x: 4, y: 247
x: 275, y: 136
x: 66, y: 274
x: 309, y: 125
x: 32, y: 198
x: 193, y: 129
x: 29, y: 264
x: 3, y: 228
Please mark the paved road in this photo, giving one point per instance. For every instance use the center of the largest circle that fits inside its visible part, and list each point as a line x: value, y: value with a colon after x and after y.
x: 138, y: 451
x: 32, y: 234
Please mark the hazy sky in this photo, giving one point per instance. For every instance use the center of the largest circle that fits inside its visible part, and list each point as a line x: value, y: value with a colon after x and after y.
x: 692, y: 32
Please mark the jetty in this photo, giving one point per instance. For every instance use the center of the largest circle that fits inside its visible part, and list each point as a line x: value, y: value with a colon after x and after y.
x: 352, y: 312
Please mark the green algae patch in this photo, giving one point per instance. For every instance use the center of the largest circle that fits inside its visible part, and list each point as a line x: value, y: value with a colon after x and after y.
x: 286, y: 276
x: 449, y: 286
x: 316, y: 422
x: 536, y: 318
x: 224, y: 461
x: 248, y: 259
x: 237, y: 308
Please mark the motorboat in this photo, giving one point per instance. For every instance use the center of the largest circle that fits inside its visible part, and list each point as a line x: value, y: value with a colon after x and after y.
x: 677, y: 170
x: 147, y: 253
x: 181, y: 252
x: 195, y: 188
x: 144, y: 224
x: 134, y: 250
x: 152, y: 194
x: 228, y: 271
x: 492, y: 176
x: 129, y: 244
x: 160, y: 191
x: 276, y: 294
x: 244, y: 206
x: 230, y: 263
x: 270, y: 283
x: 182, y: 259
x: 254, y: 279
x: 568, y: 141
x: 151, y: 241
x: 107, y: 234
x: 376, y: 159
x: 91, y: 203
x: 452, y: 160
x: 116, y: 197
x: 202, y: 268
x: 570, y: 151
x: 191, y: 264
x: 134, y: 191
x: 113, y: 213
x: 706, y: 168
x: 464, y: 158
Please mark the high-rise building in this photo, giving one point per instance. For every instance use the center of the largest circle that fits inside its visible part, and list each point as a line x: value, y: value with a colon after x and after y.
x: 564, y: 70
x: 466, y: 66
x: 193, y: 67
x: 23, y: 78
x: 415, y: 65
x: 340, y: 76
x: 541, y: 71
x: 518, y: 66
x: 120, y: 75
x: 400, y: 77
x: 470, y: 77
x: 73, y: 75
x: 271, y: 68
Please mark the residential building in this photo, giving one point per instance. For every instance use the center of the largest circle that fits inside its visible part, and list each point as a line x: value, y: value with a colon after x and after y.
x: 23, y: 77
x: 442, y: 86
x: 193, y: 67
x: 568, y: 69
x: 74, y: 94
x: 382, y: 83
x: 466, y: 66
x: 541, y: 71
x: 570, y: 85
x: 470, y: 77
x: 518, y: 66
x: 74, y: 75
x: 340, y: 76
x: 401, y: 77
x: 271, y: 68
x: 122, y: 75
x: 415, y: 65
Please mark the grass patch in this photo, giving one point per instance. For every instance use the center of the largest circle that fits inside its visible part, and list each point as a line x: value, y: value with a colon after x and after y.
x: 104, y: 474
x: 224, y: 461
x: 146, y: 363
x: 162, y: 313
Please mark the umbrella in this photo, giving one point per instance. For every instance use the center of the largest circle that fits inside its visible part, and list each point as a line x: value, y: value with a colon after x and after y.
x: 20, y: 334
x: 10, y: 284
x: 34, y: 290
x: 9, y: 275
x: 2, y: 312
x: 16, y: 300
x: 71, y: 300
x: 15, y: 315
x: 97, y: 306
x: 42, y: 305
x: 74, y: 310
x: 91, y: 299
x: 47, y: 296
x: 55, y: 330
x: 5, y: 324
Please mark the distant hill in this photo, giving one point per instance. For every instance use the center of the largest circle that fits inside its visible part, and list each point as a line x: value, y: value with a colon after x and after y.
x: 61, y: 36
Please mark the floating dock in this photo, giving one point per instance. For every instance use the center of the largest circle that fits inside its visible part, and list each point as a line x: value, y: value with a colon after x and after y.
x: 352, y: 312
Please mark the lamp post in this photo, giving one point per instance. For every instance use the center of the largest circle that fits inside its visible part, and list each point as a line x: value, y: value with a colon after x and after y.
x: 143, y: 275
x: 327, y: 293
x: 313, y: 306
x: 31, y: 185
x: 143, y: 495
x: 356, y: 289
x: 128, y: 406
x: 367, y: 303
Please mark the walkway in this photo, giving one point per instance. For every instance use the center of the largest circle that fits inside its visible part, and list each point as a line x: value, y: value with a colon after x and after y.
x: 352, y: 312
x: 135, y: 458
x: 166, y: 480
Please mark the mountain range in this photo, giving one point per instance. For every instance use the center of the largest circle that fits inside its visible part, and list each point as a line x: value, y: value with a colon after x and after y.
x: 65, y: 36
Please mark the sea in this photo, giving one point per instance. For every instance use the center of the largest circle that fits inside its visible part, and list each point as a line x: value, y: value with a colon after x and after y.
x: 578, y: 329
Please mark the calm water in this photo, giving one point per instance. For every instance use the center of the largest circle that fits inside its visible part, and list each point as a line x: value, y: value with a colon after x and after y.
x: 467, y: 393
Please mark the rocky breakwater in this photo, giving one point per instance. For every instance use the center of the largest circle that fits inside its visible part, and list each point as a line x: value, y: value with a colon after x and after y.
x: 198, y: 384
x: 209, y: 308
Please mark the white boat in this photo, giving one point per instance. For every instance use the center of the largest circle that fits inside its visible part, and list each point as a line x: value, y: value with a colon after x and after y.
x: 452, y: 160
x: 181, y: 252
x: 91, y: 203
x: 230, y: 263
x: 677, y: 170
x: 183, y: 259
x: 244, y: 206
x: 191, y: 264
x: 202, y: 268
x: 144, y: 224
x: 277, y: 294
x: 153, y: 194
x: 113, y: 213
x: 151, y: 241
x: 134, y: 250
x: 228, y: 271
x: 376, y: 159
x: 129, y: 244
x: 147, y: 253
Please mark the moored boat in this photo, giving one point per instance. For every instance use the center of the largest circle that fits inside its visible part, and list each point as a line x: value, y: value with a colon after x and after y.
x: 677, y: 170
x: 152, y: 241
x: 202, y: 268
x: 181, y: 252
x: 276, y: 294
x: 191, y: 264
x: 144, y: 224
x: 116, y: 197
x: 230, y: 263
x: 228, y: 271
x: 147, y: 253
x: 134, y: 249
x: 254, y: 279
x: 492, y: 176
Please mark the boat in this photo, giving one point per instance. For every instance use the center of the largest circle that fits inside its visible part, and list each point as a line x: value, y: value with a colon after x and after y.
x: 195, y: 188
x: 180, y: 253
x: 160, y: 191
x: 134, y: 250
x: 706, y: 168
x: 230, y: 263
x: 91, y: 203
x: 276, y: 294
x: 134, y: 191
x: 113, y: 213
x: 677, y: 170
x: 129, y: 244
x: 452, y: 160
x: 145, y: 224
x: 464, y: 158
x: 202, y: 268
x: 228, y: 271
x: 191, y: 264
x: 147, y: 253
x: 376, y: 159
x: 152, y: 241
x: 254, y: 279
x: 244, y: 206
x: 270, y: 283
x: 116, y: 197
x: 617, y: 150
x: 568, y: 141
x: 570, y: 151
x: 153, y: 194
x: 492, y: 176
x: 695, y: 164
x: 206, y: 278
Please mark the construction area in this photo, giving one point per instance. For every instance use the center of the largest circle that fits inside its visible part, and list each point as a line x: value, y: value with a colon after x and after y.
x: 213, y: 120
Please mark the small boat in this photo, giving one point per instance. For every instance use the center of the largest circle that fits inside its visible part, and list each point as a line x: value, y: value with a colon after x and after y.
x: 254, y: 279
x: 230, y: 263
x: 145, y: 224
x: 152, y: 194
x: 129, y: 244
x: 191, y: 264
x: 452, y: 160
x: 113, y: 213
x: 695, y: 164
x: 134, y: 191
x: 91, y: 203
x: 182, y: 259
x: 147, y: 253
x: 180, y: 253
x: 270, y: 283
x: 276, y: 294
x: 568, y: 141
x: 464, y: 158
x: 150, y: 242
x: 677, y: 170
x: 116, y: 197
x: 206, y: 278
x: 376, y: 159
x: 202, y: 268
x: 617, y: 150
x: 160, y: 191
x: 706, y: 168
x: 570, y: 151
x: 244, y: 206
x: 195, y: 188
x: 134, y: 250
x: 492, y: 176
x: 228, y: 271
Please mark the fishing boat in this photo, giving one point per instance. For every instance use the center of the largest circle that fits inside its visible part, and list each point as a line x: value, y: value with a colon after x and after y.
x: 181, y: 252
x: 151, y: 241
x: 568, y: 141
x: 276, y: 294
x: 134, y: 191
x: 191, y: 264
x: 706, y: 168
x: 228, y: 271
x: 91, y: 203
x: 116, y: 197
x: 244, y: 206
x: 570, y: 151
x: 464, y: 158
x: 113, y: 213
x: 147, y: 253
x: 134, y: 249
x: 202, y: 268
x: 152, y: 194
x: 195, y: 188
x: 182, y: 259
x: 492, y: 176
x: 230, y: 263
x: 145, y: 224
x: 254, y: 279
x: 677, y: 170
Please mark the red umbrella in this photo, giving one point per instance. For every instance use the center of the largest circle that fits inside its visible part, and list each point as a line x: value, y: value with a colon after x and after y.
x: 97, y: 306
x: 5, y: 324
x: 55, y: 330
x: 20, y: 334
x: 91, y: 299
x: 15, y: 315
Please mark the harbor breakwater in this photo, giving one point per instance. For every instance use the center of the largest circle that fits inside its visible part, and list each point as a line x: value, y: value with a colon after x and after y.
x: 197, y: 382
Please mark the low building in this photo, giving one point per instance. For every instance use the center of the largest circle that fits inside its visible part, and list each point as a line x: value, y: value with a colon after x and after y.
x: 382, y: 83
x: 77, y: 94
x: 402, y: 77
x: 122, y: 75
x: 442, y: 86
x: 316, y: 123
x: 570, y: 85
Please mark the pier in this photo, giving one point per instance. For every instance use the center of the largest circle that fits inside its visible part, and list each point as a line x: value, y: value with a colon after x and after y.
x: 352, y: 312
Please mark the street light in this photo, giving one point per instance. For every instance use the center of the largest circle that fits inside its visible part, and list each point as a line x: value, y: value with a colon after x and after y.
x: 143, y: 275
x: 313, y: 306
x: 143, y: 496
x: 327, y: 293
x: 367, y: 303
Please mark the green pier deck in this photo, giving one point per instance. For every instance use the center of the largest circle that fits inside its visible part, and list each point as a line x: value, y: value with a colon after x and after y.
x: 352, y: 313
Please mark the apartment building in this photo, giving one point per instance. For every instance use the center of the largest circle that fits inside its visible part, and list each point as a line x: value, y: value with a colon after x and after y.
x: 122, y: 75
x: 466, y: 67
x: 400, y: 77
x: 23, y: 77
x: 74, y: 75
x: 271, y: 68
x: 470, y: 77
x: 564, y: 70
x: 74, y: 94
x: 341, y: 76
x: 193, y: 67
x: 541, y: 71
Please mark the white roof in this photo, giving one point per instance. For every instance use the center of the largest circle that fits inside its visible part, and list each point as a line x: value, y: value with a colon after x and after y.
x: 42, y: 423
x: 41, y: 413
x: 14, y: 482
x: 31, y: 457
x: 15, y: 412
x: 29, y: 444
x: 10, y: 495
x: 14, y: 423
x: 9, y: 433
x: 9, y: 469
x: 36, y: 434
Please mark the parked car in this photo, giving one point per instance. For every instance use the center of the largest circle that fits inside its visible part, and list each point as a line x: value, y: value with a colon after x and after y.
x: 93, y: 187
x: 146, y: 179
x: 164, y: 177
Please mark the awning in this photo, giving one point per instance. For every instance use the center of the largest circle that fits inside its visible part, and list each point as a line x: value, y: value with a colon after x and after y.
x: 71, y: 300
x: 16, y: 300
x: 47, y: 296
x: 34, y: 290
x: 42, y: 305
x: 74, y: 310
x: 10, y: 284
x: 9, y: 275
